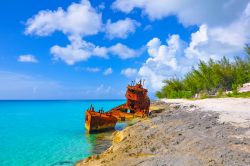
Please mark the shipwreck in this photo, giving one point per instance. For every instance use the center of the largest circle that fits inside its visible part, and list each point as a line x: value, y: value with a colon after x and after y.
x: 137, y: 105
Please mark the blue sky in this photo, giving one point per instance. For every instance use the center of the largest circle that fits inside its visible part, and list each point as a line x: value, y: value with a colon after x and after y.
x: 93, y: 49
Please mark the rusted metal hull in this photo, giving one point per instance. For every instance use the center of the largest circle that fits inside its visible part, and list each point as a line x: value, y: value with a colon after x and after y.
x: 97, y: 122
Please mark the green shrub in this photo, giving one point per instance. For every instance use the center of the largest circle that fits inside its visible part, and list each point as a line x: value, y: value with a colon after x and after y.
x: 235, y: 89
x: 229, y: 95
x: 219, y: 92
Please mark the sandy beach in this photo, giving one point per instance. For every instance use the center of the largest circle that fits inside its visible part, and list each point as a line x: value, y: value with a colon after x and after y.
x: 235, y: 111
x: 183, y: 133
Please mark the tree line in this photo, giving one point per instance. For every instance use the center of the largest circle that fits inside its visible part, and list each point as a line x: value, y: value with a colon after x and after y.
x: 209, y: 78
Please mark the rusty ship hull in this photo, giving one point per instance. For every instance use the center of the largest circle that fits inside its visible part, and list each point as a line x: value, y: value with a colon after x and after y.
x: 97, y: 122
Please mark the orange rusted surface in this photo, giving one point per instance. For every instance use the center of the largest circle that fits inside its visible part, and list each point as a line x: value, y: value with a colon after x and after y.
x: 137, y: 99
x: 137, y: 105
x: 99, y: 121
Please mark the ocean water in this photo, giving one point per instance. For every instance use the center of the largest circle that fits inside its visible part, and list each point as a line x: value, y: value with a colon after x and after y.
x: 48, y: 133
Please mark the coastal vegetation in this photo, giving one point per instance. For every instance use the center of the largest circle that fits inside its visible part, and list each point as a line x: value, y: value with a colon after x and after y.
x: 210, y: 79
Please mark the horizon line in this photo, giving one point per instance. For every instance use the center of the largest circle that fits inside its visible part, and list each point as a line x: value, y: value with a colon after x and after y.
x: 56, y: 99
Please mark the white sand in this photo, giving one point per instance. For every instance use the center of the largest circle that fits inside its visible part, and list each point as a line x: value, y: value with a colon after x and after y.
x: 232, y: 110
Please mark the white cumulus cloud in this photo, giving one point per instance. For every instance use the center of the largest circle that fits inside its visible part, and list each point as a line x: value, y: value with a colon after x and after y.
x: 162, y: 62
x: 108, y: 71
x: 215, y: 42
x: 76, y: 22
x: 79, y: 19
x: 121, y: 28
x: 212, y: 12
x: 28, y: 58
x: 78, y: 50
x: 123, y: 51
x: 129, y: 72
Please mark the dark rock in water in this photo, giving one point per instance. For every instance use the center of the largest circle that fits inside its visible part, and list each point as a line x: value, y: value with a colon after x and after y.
x: 63, y: 163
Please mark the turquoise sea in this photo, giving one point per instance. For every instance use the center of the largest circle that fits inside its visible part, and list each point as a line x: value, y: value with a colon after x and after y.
x: 48, y: 133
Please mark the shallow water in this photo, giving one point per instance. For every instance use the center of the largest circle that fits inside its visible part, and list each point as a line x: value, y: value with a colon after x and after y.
x: 49, y: 133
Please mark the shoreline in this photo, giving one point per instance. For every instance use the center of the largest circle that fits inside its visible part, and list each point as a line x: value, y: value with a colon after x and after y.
x: 183, y: 132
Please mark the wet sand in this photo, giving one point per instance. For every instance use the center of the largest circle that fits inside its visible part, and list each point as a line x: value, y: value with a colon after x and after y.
x: 183, y: 133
